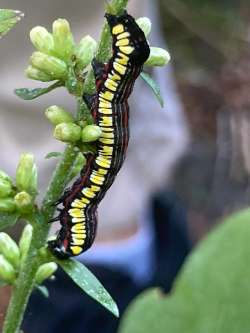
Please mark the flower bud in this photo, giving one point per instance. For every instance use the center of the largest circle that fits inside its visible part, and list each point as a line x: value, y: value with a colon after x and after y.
x: 5, y: 188
x: 85, y: 51
x: 91, y: 133
x: 57, y: 115
x: 63, y: 39
x: 9, y: 249
x: 52, y: 66
x: 7, y: 205
x: 145, y: 25
x: 45, y: 271
x: 24, y: 202
x: 67, y: 132
x: 4, y: 176
x: 42, y: 39
x: 25, y: 240
x: 158, y: 57
x: 26, y: 174
x: 7, y: 272
x: 78, y: 165
x: 36, y: 74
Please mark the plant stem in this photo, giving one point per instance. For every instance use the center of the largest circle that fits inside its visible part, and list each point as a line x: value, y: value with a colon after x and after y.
x: 25, y: 282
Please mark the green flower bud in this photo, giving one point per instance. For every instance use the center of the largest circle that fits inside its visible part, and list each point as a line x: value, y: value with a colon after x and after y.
x: 24, y: 202
x: 67, y: 132
x: 7, y: 205
x: 36, y: 74
x: 85, y: 51
x: 158, y: 57
x: 52, y: 66
x: 25, y: 240
x: 9, y: 249
x: 26, y: 174
x: 58, y: 115
x: 42, y: 39
x: 5, y: 188
x: 4, y: 176
x: 7, y: 272
x: 91, y: 133
x: 45, y: 271
x: 145, y: 25
x: 63, y: 39
x: 78, y: 165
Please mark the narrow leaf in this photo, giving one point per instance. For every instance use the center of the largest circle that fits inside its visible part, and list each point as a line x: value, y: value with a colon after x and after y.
x: 154, y: 86
x: 8, y: 18
x: 44, y: 291
x: 89, y: 284
x: 53, y: 154
x: 7, y: 219
x: 29, y: 94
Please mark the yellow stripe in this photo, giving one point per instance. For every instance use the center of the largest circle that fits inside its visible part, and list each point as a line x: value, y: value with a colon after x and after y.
x: 78, y: 204
x: 78, y: 227
x: 107, y: 135
x: 127, y: 49
x: 75, y: 212
x: 105, y: 104
x: 76, y: 249
x: 122, y: 42
x: 107, y: 95
x: 118, y: 29
x: 88, y: 192
x: 103, y: 162
x: 105, y: 111
x: 106, y: 141
x: 123, y: 35
x: 77, y: 219
x: 119, y: 68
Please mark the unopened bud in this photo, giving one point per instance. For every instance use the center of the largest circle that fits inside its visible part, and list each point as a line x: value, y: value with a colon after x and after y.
x: 145, y: 25
x: 58, y: 115
x: 91, y: 133
x: 158, y: 57
x: 24, y: 202
x: 42, y: 39
x: 4, y: 176
x: 26, y: 174
x: 85, y: 51
x: 45, y: 271
x: 36, y: 74
x: 7, y: 271
x: 63, y: 39
x: 9, y: 249
x: 7, y: 205
x: 67, y: 132
x: 25, y: 240
x: 5, y: 188
x: 54, y: 67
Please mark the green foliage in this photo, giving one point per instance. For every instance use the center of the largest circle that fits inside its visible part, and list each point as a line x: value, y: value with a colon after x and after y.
x: 212, y: 292
x: 29, y: 94
x: 8, y: 19
x: 154, y: 86
x: 8, y: 219
x: 89, y: 284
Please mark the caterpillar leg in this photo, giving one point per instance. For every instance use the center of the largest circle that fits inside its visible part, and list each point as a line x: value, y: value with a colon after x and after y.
x: 99, y: 69
x: 89, y: 99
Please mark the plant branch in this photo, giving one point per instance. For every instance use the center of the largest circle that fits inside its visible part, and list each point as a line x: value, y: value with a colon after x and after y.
x: 25, y: 282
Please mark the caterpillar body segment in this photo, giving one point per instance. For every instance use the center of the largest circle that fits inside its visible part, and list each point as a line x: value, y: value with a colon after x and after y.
x: 110, y: 110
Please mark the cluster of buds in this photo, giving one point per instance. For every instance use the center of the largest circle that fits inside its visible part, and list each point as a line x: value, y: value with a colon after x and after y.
x: 69, y: 131
x: 12, y: 256
x: 19, y: 196
x: 56, y: 51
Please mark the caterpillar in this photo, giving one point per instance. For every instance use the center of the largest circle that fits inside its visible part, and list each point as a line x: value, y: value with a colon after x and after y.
x: 110, y: 110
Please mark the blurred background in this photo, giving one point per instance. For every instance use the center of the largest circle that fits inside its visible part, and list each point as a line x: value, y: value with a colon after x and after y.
x: 188, y: 164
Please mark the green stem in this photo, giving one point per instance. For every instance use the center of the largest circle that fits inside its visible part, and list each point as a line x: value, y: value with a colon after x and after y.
x: 25, y: 282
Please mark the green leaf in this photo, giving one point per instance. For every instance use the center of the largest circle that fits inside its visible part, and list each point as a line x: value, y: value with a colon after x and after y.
x: 7, y: 219
x: 89, y: 283
x: 29, y: 94
x: 212, y: 292
x: 154, y: 86
x: 43, y: 290
x: 52, y: 154
x: 8, y: 18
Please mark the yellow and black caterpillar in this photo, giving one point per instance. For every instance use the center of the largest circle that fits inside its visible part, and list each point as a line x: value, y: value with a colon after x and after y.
x: 110, y: 110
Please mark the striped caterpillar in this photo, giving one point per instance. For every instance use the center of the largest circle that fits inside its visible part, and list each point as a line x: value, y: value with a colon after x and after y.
x: 110, y: 110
